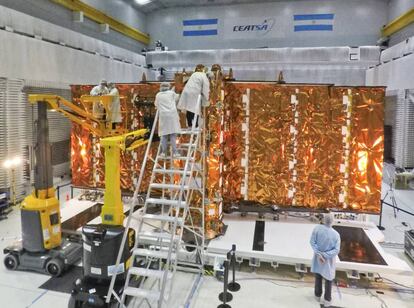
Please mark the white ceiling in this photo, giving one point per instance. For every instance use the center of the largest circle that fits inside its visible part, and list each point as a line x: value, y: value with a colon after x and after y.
x: 162, y: 4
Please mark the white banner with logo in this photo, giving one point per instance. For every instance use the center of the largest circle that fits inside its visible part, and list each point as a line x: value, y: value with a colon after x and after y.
x: 254, y: 27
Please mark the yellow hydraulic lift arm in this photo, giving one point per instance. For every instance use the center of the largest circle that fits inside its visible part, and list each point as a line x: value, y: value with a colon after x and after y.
x: 113, y: 141
x: 112, y: 210
x: 82, y: 115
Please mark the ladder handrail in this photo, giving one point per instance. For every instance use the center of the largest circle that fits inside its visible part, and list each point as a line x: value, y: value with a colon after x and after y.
x: 182, y: 184
x: 131, y: 210
x: 194, y: 147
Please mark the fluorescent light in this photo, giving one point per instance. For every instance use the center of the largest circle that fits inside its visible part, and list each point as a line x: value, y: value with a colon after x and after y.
x: 13, y: 162
x: 142, y: 2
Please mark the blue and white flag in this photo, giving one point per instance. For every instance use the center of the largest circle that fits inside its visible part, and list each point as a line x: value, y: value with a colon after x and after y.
x: 200, y: 27
x: 313, y: 22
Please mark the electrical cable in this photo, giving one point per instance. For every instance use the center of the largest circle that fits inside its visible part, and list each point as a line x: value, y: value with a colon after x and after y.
x: 383, y: 304
x: 396, y: 283
x: 269, y: 280
x: 367, y: 292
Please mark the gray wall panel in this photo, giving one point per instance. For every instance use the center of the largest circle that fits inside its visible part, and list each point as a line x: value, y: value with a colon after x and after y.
x: 356, y: 23
x: 58, y: 15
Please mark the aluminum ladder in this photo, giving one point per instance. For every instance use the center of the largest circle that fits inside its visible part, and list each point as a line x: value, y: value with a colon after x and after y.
x: 174, y: 183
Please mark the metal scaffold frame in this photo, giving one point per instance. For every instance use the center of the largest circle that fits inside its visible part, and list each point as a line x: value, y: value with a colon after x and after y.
x: 180, y: 196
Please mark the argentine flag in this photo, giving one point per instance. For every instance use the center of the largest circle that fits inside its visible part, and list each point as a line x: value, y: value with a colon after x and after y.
x: 200, y: 27
x: 313, y: 22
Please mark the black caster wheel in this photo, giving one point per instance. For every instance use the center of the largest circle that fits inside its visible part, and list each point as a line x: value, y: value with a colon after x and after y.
x: 190, y: 248
x: 54, y: 267
x: 11, y: 262
x: 234, y: 287
x: 74, y: 303
x: 229, y: 297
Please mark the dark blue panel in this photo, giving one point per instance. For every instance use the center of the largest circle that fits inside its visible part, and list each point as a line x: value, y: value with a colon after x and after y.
x: 200, y: 22
x: 314, y: 17
x: 200, y: 33
x: 313, y: 28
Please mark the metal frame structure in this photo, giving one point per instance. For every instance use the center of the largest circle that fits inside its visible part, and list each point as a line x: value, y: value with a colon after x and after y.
x: 181, y: 198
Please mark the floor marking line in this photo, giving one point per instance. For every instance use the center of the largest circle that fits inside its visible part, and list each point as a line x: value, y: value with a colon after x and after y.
x: 37, y: 298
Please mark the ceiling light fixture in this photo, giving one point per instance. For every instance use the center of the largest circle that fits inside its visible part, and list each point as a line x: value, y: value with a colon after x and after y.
x: 142, y: 2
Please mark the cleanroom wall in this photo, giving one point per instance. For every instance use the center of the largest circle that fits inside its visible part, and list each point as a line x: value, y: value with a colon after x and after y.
x: 58, y: 15
x: 396, y: 9
x: 37, y: 57
x: 354, y: 23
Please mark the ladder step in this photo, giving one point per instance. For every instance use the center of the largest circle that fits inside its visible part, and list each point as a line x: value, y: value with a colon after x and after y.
x: 175, y: 203
x: 189, y: 131
x: 145, y: 272
x: 187, y: 144
x: 164, y: 218
x: 151, y: 295
x: 158, y: 254
x: 156, y: 235
x: 170, y: 171
x: 167, y: 186
x: 190, y: 159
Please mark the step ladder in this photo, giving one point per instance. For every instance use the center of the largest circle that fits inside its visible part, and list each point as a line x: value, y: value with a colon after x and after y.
x: 177, y: 188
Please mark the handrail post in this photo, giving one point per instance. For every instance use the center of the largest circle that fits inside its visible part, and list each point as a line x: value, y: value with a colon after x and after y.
x: 131, y: 210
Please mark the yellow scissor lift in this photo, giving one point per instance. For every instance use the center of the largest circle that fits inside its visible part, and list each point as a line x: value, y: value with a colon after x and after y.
x: 42, y: 248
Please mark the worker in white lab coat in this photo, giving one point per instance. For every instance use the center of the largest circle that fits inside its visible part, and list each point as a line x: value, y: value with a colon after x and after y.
x: 196, y: 85
x: 101, y: 89
x: 326, y: 243
x: 116, y: 115
x: 168, y: 121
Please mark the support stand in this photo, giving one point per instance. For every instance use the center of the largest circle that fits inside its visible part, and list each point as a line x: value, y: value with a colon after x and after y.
x: 233, y: 286
x: 393, y: 202
x: 380, y: 226
x: 225, y: 296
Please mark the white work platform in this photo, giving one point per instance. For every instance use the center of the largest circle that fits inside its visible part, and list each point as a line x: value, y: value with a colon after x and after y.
x: 74, y: 207
x: 287, y: 242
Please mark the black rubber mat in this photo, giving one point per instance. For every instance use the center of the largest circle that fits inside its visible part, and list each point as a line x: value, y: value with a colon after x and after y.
x: 357, y: 247
x: 258, y: 239
x: 64, y: 283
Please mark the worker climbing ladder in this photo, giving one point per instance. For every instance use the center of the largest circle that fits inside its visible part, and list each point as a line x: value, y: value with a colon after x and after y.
x: 174, y: 205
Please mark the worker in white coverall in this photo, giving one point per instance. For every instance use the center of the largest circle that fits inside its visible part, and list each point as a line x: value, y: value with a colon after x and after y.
x: 116, y: 115
x: 196, y: 85
x: 326, y: 243
x: 101, y: 89
x: 168, y: 121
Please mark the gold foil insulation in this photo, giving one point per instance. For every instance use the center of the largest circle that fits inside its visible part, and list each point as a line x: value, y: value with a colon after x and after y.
x: 137, y: 106
x: 307, y: 146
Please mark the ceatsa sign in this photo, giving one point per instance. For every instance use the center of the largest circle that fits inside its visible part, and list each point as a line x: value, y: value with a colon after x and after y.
x: 260, y: 28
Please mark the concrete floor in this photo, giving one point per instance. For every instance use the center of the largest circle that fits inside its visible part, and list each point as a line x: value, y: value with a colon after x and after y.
x: 265, y: 288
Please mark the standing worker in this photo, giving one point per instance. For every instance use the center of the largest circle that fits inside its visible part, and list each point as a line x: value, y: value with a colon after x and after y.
x: 168, y: 121
x: 99, y: 90
x: 196, y: 85
x: 326, y: 243
x: 116, y: 115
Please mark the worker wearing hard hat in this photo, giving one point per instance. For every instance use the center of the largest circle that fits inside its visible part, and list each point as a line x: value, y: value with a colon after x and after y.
x: 116, y: 115
x: 99, y: 90
x: 326, y: 243
x: 196, y: 85
x: 168, y: 121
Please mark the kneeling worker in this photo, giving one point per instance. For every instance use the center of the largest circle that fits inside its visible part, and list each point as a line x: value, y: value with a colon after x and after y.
x: 168, y: 120
x: 325, y: 242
